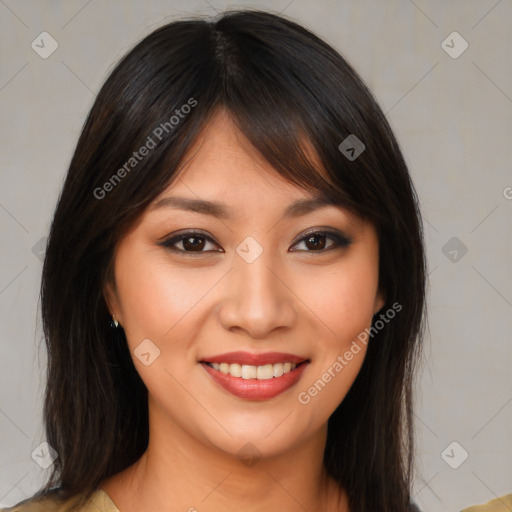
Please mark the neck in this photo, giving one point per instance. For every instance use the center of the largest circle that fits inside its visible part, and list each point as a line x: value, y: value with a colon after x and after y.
x: 181, y: 472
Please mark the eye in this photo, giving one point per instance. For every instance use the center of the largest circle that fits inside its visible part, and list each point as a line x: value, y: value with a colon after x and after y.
x: 316, y: 241
x: 190, y: 242
x: 196, y: 242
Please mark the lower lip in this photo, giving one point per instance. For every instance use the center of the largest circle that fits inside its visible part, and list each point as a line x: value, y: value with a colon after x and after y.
x: 256, y: 389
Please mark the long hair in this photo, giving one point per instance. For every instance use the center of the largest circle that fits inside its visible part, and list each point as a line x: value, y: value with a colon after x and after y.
x: 288, y: 92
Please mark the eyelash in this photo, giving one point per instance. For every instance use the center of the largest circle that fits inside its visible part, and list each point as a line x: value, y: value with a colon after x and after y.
x: 340, y: 240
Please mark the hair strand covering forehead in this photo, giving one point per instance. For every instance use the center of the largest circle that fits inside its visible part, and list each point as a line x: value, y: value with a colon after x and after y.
x: 303, y: 104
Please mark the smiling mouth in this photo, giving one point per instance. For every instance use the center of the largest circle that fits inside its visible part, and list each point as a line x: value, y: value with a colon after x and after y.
x: 276, y: 373
x: 250, y: 372
x: 255, y: 376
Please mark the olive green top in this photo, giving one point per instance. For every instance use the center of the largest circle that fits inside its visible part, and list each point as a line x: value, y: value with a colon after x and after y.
x: 502, y: 504
x: 101, y: 502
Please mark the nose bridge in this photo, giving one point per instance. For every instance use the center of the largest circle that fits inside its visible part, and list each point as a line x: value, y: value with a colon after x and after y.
x: 258, y: 283
x: 257, y: 300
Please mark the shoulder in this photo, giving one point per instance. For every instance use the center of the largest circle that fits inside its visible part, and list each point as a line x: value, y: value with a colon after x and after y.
x: 36, y: 504
x: 99, y: 502
x: 46, y: 503
x: 496, y: 505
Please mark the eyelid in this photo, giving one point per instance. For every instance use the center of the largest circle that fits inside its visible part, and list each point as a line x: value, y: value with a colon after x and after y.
x: 169, y: 241
x: 341, y: 239
x: 181, y: 234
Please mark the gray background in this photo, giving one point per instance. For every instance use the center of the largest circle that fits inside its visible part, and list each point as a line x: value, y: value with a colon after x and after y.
x: 453, y: 118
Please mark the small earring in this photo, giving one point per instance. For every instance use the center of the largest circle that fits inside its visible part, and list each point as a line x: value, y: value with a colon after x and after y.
x: 114, y: 323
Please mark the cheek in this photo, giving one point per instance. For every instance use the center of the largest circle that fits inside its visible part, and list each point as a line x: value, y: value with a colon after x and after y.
x: 344, y: 305
x: 156, y: 296
x: 343, y: 301
x: 160, y: 302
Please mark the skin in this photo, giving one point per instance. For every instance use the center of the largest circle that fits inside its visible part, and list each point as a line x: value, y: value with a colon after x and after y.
x: 290, y: 299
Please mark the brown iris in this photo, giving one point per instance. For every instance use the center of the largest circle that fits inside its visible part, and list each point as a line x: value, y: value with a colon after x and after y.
x: 190, y: 245
x: 315, y: 246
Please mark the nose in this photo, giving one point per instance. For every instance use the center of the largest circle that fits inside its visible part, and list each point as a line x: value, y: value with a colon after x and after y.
x: 257, y: 298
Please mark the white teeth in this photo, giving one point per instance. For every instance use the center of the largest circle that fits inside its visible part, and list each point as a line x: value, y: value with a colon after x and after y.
x: 278, y: 370
x: 249, y: 372
x: 265, y: 372
x: 235, y: 370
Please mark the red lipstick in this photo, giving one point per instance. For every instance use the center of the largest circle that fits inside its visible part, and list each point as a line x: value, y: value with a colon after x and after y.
x: 254, y: 359
x: 254, y: 388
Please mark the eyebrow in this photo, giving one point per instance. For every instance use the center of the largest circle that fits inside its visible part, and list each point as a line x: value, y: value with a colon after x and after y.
x: 216, y: 209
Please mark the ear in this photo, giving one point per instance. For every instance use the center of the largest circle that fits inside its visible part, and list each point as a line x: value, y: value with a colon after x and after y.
x: 380, y: 300
x: 110, y: 296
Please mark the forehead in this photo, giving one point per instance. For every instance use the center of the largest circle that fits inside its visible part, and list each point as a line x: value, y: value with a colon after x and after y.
x: 223, y: 163
x: 225, y: 177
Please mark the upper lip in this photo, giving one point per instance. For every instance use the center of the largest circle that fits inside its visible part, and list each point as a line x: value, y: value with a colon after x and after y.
x: 247, y: 358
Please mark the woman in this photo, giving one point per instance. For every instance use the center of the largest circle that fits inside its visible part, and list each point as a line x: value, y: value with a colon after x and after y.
x: 233, y: 288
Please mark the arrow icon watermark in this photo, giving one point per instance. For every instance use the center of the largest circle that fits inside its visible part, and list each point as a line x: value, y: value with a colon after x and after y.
x: 351, y: 147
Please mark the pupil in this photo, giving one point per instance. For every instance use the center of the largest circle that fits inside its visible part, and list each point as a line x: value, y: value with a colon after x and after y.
x: 319, y: 245
x: 189, y: 244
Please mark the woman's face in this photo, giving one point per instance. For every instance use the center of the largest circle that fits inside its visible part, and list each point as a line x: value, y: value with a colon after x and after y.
x: 253, y: 291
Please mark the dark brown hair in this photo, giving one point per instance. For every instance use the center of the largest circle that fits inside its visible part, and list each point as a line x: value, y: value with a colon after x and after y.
x: 282, y: 86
